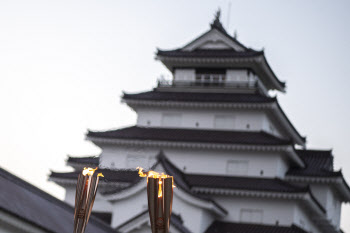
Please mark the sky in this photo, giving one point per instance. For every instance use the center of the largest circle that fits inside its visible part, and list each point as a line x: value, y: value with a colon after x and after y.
x: 64, y: 65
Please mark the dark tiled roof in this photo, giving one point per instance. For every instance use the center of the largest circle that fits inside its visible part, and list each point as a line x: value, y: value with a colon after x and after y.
x: 40, y: 209
x: 230, y: 227
x: 243, y: 183
x: 318, y: 163
x: 191, y: 135
x: 209, y: 53
x: 104, y: 216
x: 90, y: 160
x: 209, y: 98
x: 177, y: 221
x: 120, y: 175
x: 199, y: 97
x: 188, y: 181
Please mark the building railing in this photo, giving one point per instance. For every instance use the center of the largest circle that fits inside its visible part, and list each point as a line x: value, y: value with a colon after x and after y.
x: 213, y: 82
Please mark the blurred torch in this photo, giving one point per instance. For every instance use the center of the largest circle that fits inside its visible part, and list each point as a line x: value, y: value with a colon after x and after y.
x: 160, y: 199
x: 84, y: 198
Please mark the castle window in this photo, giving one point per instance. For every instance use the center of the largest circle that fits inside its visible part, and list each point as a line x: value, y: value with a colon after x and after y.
x: 251, y: 215
x: 237, y: 167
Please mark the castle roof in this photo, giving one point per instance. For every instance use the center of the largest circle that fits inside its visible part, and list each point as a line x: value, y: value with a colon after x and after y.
x: 233, y: 227
x: 175, y: 221
x: 217, y: 100
x: 216, y: 47
x: 194, y: 183
x: 318, y: 163
x: 190, y: 135
x: 86, y: 161
x: 27, y: 203
x: 199, y: 97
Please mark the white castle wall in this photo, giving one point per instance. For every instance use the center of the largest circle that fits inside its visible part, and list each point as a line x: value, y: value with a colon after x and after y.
x: 267, y: 211
x: 243, y: 163
x: 218, y: 119
x: 329, y: 200
x: 195, y: 218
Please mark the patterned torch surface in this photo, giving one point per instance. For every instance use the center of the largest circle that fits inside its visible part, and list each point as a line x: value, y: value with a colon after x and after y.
x: 85, y: 197
x: 160, y: 200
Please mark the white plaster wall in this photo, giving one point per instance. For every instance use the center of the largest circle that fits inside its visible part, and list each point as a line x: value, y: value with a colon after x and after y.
x: 125, y: 209
x: 271, y: 208
x: 195, y: 218
x: 303, y: 220
x: 114, y: 156
x: 237, y: 75
x: 184, y: 75
x: 260, y: 164
x: 243, y: 120
x: 203, y: 118
x: 329, y: 200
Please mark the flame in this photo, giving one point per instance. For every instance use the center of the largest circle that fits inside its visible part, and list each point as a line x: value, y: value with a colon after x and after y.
x: 160, y: 192
x: 153, y: 174
x: 90, y: 171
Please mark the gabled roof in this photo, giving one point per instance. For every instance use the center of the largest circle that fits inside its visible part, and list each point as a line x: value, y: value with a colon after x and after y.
x: 319, y: 168
x: 30, y: 204
x: 190, y: 135
x: 225, y: 47
x: 175, y: 221
x: 232, y: 227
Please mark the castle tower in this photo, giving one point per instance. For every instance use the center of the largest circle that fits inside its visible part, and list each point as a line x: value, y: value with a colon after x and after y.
x: 230, y: 147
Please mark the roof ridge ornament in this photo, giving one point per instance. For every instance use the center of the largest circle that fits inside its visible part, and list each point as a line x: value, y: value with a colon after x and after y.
x: 217, y: 23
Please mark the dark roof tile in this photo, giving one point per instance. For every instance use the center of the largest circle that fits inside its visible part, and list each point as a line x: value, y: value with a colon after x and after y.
x: 120, y: 175
x: 89, y: 160
x: 191, y: 135
x: 199, y: 97
x: 209, y: 53
x: 230, y: 227
x: 318, y: 163
x: 243, y: 183
x: 37, y: 207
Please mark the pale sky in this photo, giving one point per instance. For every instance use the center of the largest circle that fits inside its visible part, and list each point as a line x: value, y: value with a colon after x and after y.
x: 64, y: 65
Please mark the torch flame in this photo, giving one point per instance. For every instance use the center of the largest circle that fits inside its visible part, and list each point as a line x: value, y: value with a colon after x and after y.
x: 153, y: 174
x: 90, y: 171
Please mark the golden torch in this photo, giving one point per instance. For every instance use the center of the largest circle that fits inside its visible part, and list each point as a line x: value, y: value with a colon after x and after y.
x: 160, y: 199
x: 85, y: 197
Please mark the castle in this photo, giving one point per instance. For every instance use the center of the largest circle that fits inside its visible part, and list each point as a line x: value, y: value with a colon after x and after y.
x: 238, y: 162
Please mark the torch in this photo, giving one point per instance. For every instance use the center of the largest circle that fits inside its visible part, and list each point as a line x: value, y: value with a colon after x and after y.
x: 84, y: 198
x: 160, y: 199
